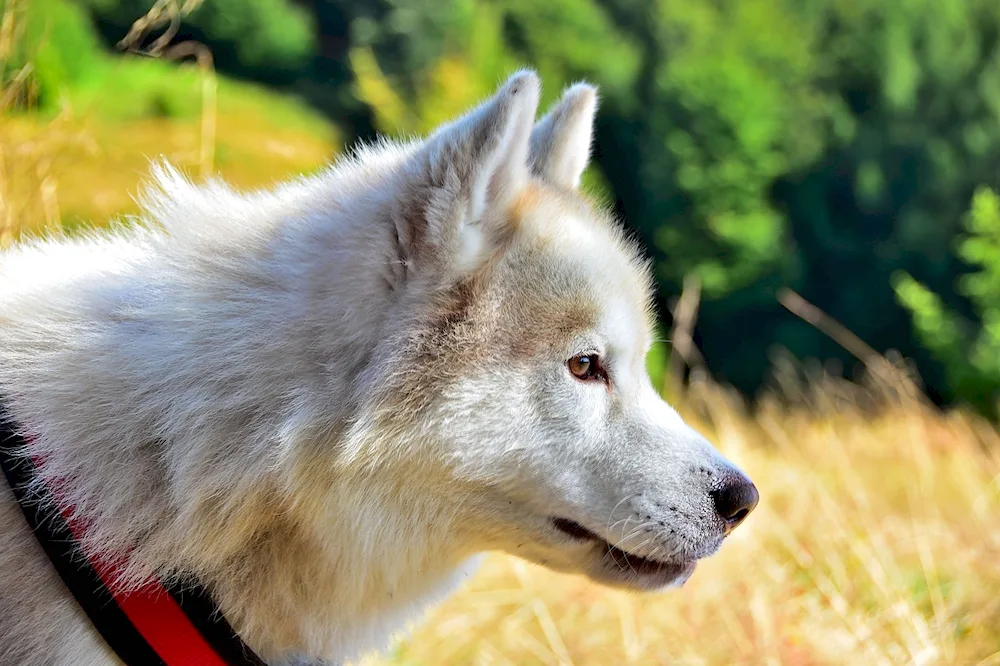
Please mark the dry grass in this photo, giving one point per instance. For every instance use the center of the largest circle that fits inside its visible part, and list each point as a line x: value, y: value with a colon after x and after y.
x: 75, y: 169
x: 81, y: 166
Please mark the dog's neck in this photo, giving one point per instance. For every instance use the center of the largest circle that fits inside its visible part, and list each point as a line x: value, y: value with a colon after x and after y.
x: 336, y: 577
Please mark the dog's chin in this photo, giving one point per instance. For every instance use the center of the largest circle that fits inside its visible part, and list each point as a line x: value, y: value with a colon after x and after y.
x: 615, y: 567
x: 638, y: 573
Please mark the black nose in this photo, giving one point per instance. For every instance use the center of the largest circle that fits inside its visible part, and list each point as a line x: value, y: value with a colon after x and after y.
x: 735, y: 500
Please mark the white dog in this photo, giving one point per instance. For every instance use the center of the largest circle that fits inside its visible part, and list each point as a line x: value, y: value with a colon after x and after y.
x: 324, y: 401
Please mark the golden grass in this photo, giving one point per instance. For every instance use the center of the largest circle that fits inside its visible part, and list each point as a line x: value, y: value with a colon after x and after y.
x: 877, y: 541
x: 81, y: 168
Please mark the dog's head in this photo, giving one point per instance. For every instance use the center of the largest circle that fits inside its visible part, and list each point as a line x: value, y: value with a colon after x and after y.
x: 518, y: 370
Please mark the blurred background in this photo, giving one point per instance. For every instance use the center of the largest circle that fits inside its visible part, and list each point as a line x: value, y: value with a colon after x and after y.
x: 814, y: 182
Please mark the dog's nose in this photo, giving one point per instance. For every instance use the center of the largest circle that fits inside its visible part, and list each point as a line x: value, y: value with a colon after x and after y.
x: 735, y: 500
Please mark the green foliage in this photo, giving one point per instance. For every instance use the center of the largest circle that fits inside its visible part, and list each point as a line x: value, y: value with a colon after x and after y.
x: 135, y: 87
x: 566, y: 40
x: 67, y: 67
x: 737, y: 106
x: 657, y: 361
x: 422, y: 99
x: 267, y: 35
x: 267, y: 39
x: 55, y: 37
x: 919, y: 83
x: 408, y: 37
x: 969, y: 350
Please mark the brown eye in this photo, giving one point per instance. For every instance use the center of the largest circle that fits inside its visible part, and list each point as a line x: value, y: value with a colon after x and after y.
x: 586, y: 367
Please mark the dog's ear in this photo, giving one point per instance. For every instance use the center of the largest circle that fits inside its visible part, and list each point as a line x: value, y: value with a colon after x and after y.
x: 465, y: 175
x: 560, y: 143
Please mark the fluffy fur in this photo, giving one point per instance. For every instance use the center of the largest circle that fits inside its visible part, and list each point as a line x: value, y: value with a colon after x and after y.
x: 326, y: 400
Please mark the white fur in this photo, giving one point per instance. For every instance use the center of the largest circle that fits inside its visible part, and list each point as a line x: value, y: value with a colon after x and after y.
x: 561, y: 140
x: 325, y: 401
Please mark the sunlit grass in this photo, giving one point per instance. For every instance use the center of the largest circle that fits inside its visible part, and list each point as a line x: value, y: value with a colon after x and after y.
x: 82, y: 167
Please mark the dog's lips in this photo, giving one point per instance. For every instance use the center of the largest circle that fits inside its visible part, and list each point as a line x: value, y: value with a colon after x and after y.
x: 648, y: 572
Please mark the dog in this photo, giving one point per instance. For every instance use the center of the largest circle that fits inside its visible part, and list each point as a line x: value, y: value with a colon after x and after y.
x: 325, y: 401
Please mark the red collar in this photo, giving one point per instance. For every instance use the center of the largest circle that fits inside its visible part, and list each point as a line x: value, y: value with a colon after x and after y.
x: 158, y: 625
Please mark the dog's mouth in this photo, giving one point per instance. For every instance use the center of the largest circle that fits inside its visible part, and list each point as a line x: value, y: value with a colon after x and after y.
x: 627, y: 567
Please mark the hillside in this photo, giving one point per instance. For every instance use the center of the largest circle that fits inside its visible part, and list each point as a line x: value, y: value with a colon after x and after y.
x: 76, y: 144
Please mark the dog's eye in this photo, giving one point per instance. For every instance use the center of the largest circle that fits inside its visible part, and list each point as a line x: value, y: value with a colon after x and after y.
x: 586, y: 367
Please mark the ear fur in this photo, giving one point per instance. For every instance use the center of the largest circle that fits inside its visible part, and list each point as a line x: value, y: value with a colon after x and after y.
x: 560, y: 143
x: 463, y: 171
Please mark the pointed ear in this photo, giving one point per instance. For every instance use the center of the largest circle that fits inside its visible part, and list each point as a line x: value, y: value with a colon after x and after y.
x: 464, y: 172
x: 560, y: 143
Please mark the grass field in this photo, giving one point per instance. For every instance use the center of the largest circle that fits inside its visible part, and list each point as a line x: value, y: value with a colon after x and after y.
x: 82, y: 165
x: 877, y: 540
